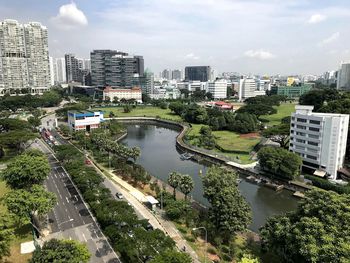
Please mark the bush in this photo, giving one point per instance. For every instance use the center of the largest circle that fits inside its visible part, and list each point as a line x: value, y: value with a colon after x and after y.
x: 326, y: 185
x: 182, y: 229
x: 212, y: 250
x: 190, y: 238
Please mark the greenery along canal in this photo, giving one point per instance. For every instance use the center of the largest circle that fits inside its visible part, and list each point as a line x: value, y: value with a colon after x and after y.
x: 159, y: 157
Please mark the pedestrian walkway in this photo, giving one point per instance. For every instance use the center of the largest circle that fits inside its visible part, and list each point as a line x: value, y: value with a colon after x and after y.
x: 136, y: 198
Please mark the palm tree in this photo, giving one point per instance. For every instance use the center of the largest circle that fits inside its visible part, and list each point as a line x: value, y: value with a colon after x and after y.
x: 186, y: 184
x: 174, y: 181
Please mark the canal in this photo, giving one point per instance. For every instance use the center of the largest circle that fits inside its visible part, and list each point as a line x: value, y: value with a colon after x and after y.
x: 159, y: 157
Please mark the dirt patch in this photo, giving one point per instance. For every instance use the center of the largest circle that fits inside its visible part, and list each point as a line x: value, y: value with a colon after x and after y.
x: 252, y: 135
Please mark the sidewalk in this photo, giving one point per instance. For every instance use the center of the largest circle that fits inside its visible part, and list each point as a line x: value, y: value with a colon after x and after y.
x: 136, y: 198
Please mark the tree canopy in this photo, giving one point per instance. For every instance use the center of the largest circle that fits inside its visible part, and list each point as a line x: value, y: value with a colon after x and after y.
x: 61, y: 251
x: 318, y: 231
x: 171, y: 256
x: 26, y: 170
x: 280, y: 162
x: 6, y: 235
x: 278, y: 133
x: 229, y: 211
x: 24, y: 204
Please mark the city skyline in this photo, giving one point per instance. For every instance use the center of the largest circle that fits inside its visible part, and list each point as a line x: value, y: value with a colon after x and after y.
x: 251, y: 37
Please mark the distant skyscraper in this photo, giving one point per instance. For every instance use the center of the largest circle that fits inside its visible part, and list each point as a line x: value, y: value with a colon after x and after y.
x: 72, y: 68
x: 343, y: 81
x: 166, y: 74
x: 176, y: 74
x: 201, y: 73
x: 24, y: 58
x: 52, y: 70
x: 147, y: 82
x: 60, y: 70
x: 115, y: 68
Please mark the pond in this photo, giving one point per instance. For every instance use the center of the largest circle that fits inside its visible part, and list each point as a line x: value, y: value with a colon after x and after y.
x: 159, y: 156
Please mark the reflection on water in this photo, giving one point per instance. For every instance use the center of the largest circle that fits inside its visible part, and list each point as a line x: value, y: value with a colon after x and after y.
x: 159, y: 157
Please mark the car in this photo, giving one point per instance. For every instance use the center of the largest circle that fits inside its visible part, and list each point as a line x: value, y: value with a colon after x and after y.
x: 149, y: 227
x: 119, y: 195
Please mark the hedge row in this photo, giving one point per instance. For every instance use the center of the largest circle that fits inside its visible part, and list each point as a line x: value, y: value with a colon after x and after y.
x: 326, y: 185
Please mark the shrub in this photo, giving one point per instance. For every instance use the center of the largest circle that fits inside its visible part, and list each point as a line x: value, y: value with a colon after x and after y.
x: 212, y: 250
x: 190, y: 238
x: 326, y: 185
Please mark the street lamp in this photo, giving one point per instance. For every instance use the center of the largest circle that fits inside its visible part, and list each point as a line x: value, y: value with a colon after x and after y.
x: 206, y: 240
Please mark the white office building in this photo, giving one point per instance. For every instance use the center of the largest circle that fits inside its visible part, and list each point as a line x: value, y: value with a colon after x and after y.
x: 84, y: 120
x: 248, y: 88
x: 343, y: 81
x: 217, y: 88
x: 24, y: 57
x: 320, y: 139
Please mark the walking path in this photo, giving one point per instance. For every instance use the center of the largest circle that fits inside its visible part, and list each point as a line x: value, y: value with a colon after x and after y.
x: 136, y: 198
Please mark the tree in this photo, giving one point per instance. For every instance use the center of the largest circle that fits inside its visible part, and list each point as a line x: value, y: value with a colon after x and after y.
x: 6, y: 235
x: 16, y: 139
x: 207, y: 139
x: 314, y: 97
x: 280, y: 162
x: 186, y: 184
x: 242, y: 123
x: 127, y: 108
x: 177, y: 107
x: 111, y: 114
x: 146, y: 98
x: 318, y: 231
x: 247, y: 258
x: 61, y: 251
x: 209, y: 95
x: 174, y: 181
x: 257, y: 109
x: 25, y: 204
x: 163, y: 105
x: 26, y: 170
x: 171, y: 256
x: 35, y: 122
x: 278, y: 133
x: 229, y: 212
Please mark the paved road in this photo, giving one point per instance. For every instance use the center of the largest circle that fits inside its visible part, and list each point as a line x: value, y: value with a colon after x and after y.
x: 70, y: 217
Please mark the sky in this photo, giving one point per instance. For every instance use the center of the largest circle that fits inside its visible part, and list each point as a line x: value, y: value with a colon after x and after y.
x: 247, y: 36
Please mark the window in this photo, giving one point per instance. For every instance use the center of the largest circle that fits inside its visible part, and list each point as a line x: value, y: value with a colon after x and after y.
x: 301, y: 141
x: 311, y: 157
x: 300, y: 147
x: 312, y: 143
x: 301, y: 133
x: 314, y: 129
x: 311, y: 150
x: 301, y: 127
x: 315, y: 122
x: 313, y: 136
x: 301, y: 120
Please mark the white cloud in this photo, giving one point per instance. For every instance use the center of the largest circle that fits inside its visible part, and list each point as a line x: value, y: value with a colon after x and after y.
x: 334, y: 37
x: 191, y: 56
x: 316, y: 18
x: 69, y: 16
x: 259, y: 54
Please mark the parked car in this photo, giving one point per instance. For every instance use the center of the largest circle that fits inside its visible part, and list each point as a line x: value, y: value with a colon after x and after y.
x: 119, y: 195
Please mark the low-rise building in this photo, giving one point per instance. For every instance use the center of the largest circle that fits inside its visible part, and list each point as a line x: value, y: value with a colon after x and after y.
x: 119, y: 94
x: 248, y: 89
x: 291, y: 92
x: 84, y: 120
x: 320, y: 139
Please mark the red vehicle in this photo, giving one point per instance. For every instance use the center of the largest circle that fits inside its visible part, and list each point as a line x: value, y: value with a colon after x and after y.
x: 87, y: 162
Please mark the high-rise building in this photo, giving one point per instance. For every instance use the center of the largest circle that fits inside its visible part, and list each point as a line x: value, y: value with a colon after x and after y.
x: 37, y: 52
x: 218, y: 88
x: 176, y: 75
x: 115, y: 68
x: 24, y: 57
x: 147, y: 82
x: 60, y: 70
x: 166, y: 74
x: 343, y: 81
x: 248, y: 88
x: 52, y: 71
x: 200, y: 73
x: 72, y: 68
x: 320, y: 139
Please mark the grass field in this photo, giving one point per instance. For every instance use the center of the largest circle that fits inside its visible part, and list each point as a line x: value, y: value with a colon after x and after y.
x: 141, y: 111
x: 231, y: 141
x: 22, y: 234
x: 283, y: 110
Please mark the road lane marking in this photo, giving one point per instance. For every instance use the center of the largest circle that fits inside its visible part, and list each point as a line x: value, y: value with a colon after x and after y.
x: 84, y: 237
x: 67, y: 199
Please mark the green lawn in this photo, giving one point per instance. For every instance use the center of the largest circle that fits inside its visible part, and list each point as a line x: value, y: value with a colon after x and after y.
x: 22, y: 234
x: 285, y: 109
x: 141, y: 111
x: 230, y: 141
